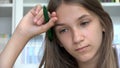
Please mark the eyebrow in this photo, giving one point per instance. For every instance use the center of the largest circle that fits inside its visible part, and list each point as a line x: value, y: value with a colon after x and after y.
x: 79, y: 18
x: 58, y: 25
x: 83, y: 16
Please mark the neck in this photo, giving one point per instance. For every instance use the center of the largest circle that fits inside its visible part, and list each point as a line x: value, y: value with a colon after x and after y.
x: 87, y: 65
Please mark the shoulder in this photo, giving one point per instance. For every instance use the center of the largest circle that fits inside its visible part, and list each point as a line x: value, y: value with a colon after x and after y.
x: 117, y: 52
x: 117, y: 49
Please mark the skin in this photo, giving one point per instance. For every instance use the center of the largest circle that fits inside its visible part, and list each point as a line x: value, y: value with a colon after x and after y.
x: 80, y: 33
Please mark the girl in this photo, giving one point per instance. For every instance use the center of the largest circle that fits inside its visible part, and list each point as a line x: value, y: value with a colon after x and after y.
x: 82, y: 36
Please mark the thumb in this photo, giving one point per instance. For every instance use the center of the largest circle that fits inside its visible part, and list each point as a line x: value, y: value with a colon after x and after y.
x: 49, y: 24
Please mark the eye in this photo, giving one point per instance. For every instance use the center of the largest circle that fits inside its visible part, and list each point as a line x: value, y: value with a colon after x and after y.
x: 84, y: 23
x: 63, y: 30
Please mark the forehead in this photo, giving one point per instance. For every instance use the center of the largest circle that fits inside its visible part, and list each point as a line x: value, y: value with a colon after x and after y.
x: 70, y: 12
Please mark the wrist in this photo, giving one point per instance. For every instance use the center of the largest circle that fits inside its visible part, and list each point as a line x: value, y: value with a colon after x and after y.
x: 22, y: 34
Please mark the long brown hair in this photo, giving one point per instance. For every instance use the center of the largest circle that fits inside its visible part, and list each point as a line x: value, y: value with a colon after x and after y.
x: 57, y: 57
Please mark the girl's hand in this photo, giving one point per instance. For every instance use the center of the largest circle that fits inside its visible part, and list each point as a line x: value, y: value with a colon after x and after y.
x: 33, y: 22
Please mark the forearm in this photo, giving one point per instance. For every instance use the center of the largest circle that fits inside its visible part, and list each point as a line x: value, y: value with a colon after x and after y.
x: 12, y: 50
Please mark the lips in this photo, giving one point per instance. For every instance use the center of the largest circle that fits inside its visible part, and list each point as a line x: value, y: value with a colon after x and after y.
x: 82, y: 49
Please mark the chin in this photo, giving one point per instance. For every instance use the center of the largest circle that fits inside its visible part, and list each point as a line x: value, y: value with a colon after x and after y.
x: 85, y: 58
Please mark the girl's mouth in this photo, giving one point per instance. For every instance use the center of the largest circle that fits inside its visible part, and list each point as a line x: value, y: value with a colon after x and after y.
x: 82, y: 49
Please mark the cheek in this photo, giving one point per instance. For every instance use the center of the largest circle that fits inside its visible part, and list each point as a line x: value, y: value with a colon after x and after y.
x: 65, y: 40
x: 94, y: 37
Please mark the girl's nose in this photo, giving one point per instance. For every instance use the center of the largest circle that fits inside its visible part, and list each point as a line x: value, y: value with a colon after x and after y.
x: 78, y: 36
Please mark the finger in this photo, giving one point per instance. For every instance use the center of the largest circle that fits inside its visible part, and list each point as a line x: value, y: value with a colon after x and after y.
x: 48, y: 25
x: 38, y: 16
x: 40, y: 21
x: 53, y: 14
x: 38, y: 8
x: 33, y: 11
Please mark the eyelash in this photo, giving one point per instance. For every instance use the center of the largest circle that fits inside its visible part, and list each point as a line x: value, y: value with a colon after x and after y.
x: 63, y: 30
x: 84, y: 23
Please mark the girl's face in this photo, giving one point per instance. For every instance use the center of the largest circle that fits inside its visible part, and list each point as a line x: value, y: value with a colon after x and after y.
x: 79, y: 32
